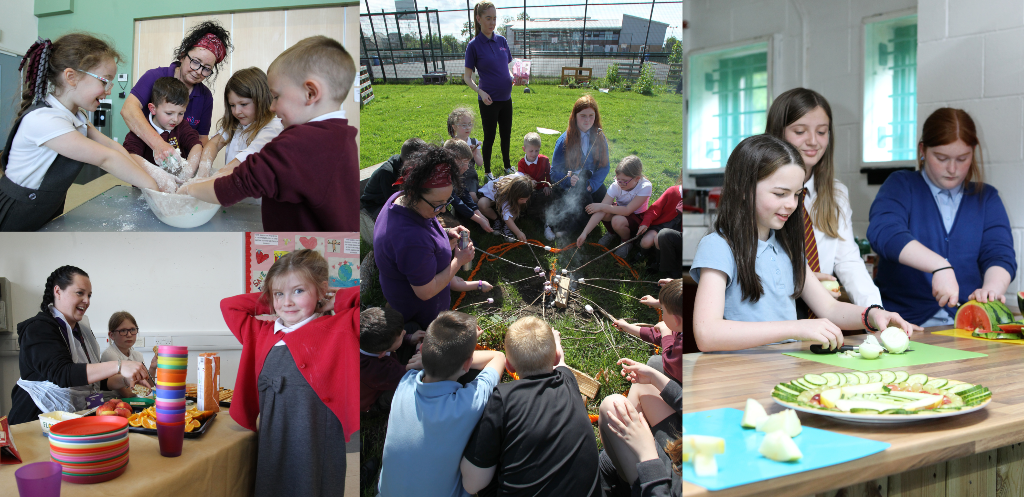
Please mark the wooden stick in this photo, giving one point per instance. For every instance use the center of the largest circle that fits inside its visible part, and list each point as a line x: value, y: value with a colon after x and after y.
x: 606, y: 253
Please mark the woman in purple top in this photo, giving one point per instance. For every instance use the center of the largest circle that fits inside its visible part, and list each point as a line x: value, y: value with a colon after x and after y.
x: 413, y: 252
x: 488, y: 53
x: 197, y: 58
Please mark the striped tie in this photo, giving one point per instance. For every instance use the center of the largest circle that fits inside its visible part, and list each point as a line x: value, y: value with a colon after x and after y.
x: 810, y: 246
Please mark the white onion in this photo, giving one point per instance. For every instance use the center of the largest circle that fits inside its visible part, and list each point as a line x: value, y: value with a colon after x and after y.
x: 870, y: 350
x: 894, y: 339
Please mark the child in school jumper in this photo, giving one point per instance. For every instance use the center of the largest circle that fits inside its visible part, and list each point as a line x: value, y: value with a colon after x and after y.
x: 248, y: 123
x: 298, y: 374
x: 309, y: 172
x: 432, y: 414
x: 665, y: 334
x: 751, y: 268
x: 537, y: 166
x: 621, y: 211
x: 534, y: 437
x: 508, y: 196
x: 462, y: 201
x: 167, y: 104
x: 52, y: 138
x: 666, y: 213
x: 460, y: 125
x: 380, y: 335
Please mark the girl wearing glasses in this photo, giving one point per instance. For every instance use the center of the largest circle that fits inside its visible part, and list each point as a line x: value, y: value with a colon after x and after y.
x: 52, y: 137
x: 123, y: 332
x: 197, y: 58
x: 622, y: 208
x: 414, y: 253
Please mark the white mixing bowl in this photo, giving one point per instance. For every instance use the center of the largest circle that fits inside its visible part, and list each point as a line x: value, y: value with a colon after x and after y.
x: 179, y: 211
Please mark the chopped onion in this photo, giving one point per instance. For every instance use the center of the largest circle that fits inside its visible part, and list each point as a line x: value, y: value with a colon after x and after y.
x: 869, y: 350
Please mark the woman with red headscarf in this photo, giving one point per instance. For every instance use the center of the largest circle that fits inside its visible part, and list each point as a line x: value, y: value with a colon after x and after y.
x: 414, y: 253
x: 197, y: 58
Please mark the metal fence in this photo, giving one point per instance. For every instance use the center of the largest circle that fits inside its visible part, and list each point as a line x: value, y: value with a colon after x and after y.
x: 415, y: 40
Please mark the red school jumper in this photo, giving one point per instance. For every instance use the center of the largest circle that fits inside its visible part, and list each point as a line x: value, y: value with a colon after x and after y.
x: 539, y: 171
x: 326, y: 351
x: 307, y: 176
x: 664, y: 209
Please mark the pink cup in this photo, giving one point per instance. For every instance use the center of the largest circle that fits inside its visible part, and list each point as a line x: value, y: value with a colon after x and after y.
x: 170, y: 418
x: 170, y: 404
x: 171, y: 349
x: 40, y: 479
x: 171, y: 438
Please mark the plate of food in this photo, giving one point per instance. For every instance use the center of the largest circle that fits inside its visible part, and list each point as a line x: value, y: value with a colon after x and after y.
x: 196, y: 422
x: 881, y: 396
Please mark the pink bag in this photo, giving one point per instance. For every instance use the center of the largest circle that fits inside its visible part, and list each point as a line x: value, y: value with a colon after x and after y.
x: 520, y: 72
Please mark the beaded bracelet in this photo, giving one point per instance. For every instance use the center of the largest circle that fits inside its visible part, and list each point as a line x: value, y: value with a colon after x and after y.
x: 864, y: 316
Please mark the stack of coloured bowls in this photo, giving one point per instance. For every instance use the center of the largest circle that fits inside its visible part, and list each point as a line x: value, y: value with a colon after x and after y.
x: 172, y: 367
x: 90, y: 450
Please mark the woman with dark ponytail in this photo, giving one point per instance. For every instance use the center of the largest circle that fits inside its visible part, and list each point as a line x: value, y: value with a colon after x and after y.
x: 59, y: 356
x: 52, y: 137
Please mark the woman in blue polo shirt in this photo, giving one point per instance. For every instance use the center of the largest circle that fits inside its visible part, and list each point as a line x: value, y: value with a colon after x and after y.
x: 198, y: 57
x: 488, y: 53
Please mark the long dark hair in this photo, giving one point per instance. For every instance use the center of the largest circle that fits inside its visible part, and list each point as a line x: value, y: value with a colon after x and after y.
x: 421, y: 166
x: 789, y: 108
x: 60, y: 277
x: 198, y: 32
x: 574, y: 156
x: 45, y: 61
x: 945, y: 126
x: 754, y: 159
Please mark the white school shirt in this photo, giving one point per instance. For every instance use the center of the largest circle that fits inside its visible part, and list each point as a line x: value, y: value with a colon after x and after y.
x: 280, y: 326
x: 29, y: 159
x: 841, y: 258
x: 113, y: 353
x: 643, y: 188
x: 238, y: 149
x: 488, y: 191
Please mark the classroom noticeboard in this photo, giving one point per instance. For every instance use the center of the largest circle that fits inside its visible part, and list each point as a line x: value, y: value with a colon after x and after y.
x: 341, y: 249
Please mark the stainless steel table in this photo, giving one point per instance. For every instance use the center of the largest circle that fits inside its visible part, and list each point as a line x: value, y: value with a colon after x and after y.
x: 122, y: 208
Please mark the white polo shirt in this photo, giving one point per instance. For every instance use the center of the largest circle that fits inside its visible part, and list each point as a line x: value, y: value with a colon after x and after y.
x: 238, y: 149
x: 29, y: 159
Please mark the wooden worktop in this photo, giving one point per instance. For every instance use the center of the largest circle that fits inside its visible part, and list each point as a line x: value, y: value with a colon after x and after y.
x: 727, y: 379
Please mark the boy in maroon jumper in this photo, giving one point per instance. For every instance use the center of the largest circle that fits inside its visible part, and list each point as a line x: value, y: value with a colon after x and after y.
x: 666, y: 334
x: 167, y: 105
x: 380, y: 334
x: 538, y: 168
x: 308, y: 176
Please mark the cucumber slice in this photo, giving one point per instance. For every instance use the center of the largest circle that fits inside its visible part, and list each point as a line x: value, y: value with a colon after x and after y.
x: 816, y: 380
x: 874, y: 377
x: 936, y: 383
x: 951, y: 383
x: 917, y: 378
x: 792, y: 386
x: 962, y: 387
x: 862, y: 376
x: 805, y: 385
x: 852, y: 379
x: 888, y: 376
x: 901, y: 376
x: 785, y: 390
x: 842, y: 379
x: 946, y: 409
x: 792, y: 399
x: 862, y: 410
x: 971, y: 391
x: 833, y: 379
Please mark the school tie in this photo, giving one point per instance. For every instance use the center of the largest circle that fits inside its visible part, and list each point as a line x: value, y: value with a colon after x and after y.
x: 810, y: 246
x: 166, y: 135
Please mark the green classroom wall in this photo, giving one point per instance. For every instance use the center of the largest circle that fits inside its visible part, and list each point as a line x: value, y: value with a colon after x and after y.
x: 115, y: 20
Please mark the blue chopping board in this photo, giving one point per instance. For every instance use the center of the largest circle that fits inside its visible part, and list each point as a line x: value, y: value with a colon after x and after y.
x: 742, y: 463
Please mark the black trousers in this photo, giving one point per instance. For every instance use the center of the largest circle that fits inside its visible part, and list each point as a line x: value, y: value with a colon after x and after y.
x: 497, y: 115
x: 670, y: 244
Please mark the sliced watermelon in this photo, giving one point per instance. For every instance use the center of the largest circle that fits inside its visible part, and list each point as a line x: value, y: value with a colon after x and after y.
x: 1020, y: 301
x: 1003, y: 314
x: 973, y: 316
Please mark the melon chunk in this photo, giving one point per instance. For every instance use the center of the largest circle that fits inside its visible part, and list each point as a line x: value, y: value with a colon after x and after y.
x: 753, y: 414
x: 786, y: 421
x: 705, y: 465
x: 704, y: 444
x: 778, y: 446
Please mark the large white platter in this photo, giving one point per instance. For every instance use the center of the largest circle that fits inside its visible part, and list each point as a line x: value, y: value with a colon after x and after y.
x: 881, y: 418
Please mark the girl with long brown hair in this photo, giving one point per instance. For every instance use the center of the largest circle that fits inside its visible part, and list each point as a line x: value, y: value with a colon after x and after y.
x: 803, y: 118
x: 750, y: 270
x: 502, y: 201
x: 581, y: 153
x: 941, y: 233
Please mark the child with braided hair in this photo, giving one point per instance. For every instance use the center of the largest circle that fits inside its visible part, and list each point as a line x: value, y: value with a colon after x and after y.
x: 52, y: 138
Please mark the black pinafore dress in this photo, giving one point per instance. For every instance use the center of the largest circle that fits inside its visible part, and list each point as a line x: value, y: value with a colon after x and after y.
x: 301, y: 441
x: 25, y: 209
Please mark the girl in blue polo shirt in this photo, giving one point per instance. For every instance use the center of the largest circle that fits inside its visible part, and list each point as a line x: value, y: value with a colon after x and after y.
x: 747, y: 280
x: 488, y: 53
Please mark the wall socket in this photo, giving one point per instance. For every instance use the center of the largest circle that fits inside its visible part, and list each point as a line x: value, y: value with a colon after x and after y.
x: 122, y: 77
x: 160, y: 341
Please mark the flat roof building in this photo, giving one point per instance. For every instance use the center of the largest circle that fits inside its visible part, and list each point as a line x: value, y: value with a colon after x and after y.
x: 564, y: 34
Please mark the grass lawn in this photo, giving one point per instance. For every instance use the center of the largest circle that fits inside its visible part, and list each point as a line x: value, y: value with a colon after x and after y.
x: 650, y: 127
x: 591, y: 344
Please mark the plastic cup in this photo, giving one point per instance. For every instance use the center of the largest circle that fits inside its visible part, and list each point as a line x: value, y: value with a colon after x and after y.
x: 172, y: 378
x: 172, y: 384
x: 42, y: 479
x: 170, y: 418
x: 171, y: 349
x: 171, y: 367
x: 170, y: 395
x: 170, y: 411
x: 170, y: 405
x: 171, y: 437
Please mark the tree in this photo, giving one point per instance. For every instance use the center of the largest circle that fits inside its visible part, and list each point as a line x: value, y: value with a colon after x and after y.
x: 670, y: 42
x: 676, y: 57
x: 450, y: 44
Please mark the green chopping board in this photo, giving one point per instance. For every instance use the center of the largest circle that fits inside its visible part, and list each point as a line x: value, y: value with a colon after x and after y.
x: 920, y: 353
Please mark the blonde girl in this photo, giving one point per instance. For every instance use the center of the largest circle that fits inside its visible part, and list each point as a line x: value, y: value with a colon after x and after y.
x: 52, y: 137
x: 460, y: 125
x: 247, y: 125
x: 507, y: 194
x: 623, y: 206
x: 301, y: 366
x: 751, y: 268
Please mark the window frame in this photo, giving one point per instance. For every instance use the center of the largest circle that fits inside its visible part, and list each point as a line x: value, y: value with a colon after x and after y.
x: 865, y: 24
x: 769, y: 42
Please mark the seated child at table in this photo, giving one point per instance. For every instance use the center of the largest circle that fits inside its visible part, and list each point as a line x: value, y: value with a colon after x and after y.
x: 167, y: 104
x: 534, y: 437
x: 248, y: 123
x: 122, y: 330
x: 751, y: 268
x: 432, y: 414
x: 380, y: 370
x: 665, y: 334
x: 537, y: 166
x: 460, y: 125
x: 308, y: 174
x: 506, y: 195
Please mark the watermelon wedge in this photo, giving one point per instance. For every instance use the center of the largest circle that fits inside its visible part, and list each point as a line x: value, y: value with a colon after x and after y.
x: 1020, y: 301
x: 974, y: 316
x: 1003, y: 314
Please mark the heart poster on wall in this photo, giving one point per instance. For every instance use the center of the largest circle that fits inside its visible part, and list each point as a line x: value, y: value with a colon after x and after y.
x: 341, y: 249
